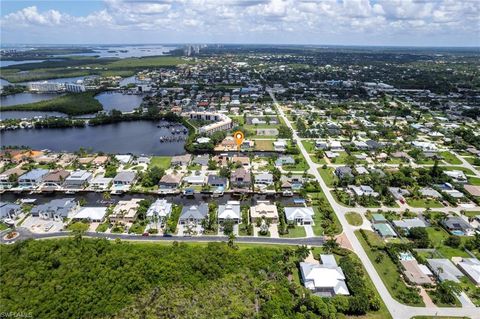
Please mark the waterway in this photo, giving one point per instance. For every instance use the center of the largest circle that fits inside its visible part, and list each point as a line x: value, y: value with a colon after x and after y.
x: 119, y: 101
x: 24, y: 98
x: 28, y: 115
x: 139, y: 137
x: 4, y: 63
x: 125, y: 51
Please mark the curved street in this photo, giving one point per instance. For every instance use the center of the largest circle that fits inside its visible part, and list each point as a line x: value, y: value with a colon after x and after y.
x: 397, y: 310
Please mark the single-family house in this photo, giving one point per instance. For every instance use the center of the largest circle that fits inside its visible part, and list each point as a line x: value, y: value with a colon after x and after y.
x: 344, y: 172
x: 56, y: 209
x: 181, y: 160
x: 33, y: 178
x: 241, y: 160
x: 193, y: 214
x: 363, y: 190
x: 457, y: 176
x: 143, y: 160
x: 201, y: 160
x: 414, y: 273
x: 285, y: 160
x: 457, y: 226
x: 124, y: 159
x: 326, y: 279
x: 92, y: 214
x: 429, y: 192
x: 217, y: 181
x: 9, y: 210
x: 100, y: 183
x: 471, y: 268
x: 78, y: 179
x: 264, y: 210
x: 125, y: 211
x: 55, y: 179
x: 299, y: 215
x: 444, y: 269
x: 170, y: 181
x: 159, y: 211
x: 280, y: 145
x: 321, y: 144
x: 398, y: 193
x: 264, y: 179
x: 124, y: 178
x: 194, y: 179
x: 295, y: 182
x: 9, y: 178
x: 240, y: 178
x: 230, y: 211
x: 408, y: 223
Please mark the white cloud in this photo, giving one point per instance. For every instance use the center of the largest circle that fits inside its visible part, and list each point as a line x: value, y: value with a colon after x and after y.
x: 305, y: 19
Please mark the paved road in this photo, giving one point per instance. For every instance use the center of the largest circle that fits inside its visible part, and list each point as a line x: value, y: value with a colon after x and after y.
x: 397, y: 310
x: 314, y: 241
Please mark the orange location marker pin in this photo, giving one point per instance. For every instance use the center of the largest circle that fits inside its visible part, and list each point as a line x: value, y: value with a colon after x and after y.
x: 238, y: 137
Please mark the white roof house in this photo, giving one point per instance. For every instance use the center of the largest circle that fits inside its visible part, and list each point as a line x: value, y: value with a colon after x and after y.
x: 229, y: 211
x: 471, y: 268
x: 124, y: 159
x: 93, y: 214
x: 444, y: 269
x: 160, y: 208
x: 326, y: 279
x: 300, y: 215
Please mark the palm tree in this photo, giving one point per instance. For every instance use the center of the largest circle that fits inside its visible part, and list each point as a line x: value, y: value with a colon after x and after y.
x: 330, y: 245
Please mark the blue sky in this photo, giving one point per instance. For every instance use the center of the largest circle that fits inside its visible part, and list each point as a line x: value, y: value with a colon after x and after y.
x: 344, y: 22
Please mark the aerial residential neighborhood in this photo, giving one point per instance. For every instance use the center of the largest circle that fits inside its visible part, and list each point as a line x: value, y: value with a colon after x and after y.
x: 331, y: 173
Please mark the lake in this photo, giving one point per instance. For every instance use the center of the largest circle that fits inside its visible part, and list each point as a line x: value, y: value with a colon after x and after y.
x: 119, y: 101
x: 125, y: 51
x: 23, y: 98
x: 140, y: 137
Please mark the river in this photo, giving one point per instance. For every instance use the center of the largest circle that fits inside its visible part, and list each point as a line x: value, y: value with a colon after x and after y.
x: 139, y: 137
x: 24, y: 98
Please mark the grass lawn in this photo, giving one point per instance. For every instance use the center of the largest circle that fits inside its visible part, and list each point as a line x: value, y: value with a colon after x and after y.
x: 472, y: 213
x: 474, y: 180
x: 354, y: 219
x: 322, y: 208
x: 437, y: 235
x: 301, y: 166
x: 3, y: 226
x: 426, y: 203
x: 450, y: 158
x: 160, y: 161
x: 102, y: 227
x: 298, y: 231
x: 340, y: 159
x: 309, y: 146
x: 264, y: 145
x: 327, y: 175
x: 439, y: 303
x: 388, y: 271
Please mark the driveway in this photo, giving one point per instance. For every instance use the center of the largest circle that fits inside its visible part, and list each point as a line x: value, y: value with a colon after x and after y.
x: 274, y: 231
x: 309, y: 230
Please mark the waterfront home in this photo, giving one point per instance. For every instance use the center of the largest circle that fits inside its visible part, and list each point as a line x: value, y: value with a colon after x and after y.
x: 240, y: 178
x: 32, y: 179
x: 170, y: 181
x: 125, y: 211
x: 264, y: 179
x: 55, y: 179
x: 194, y: 179
x: 193, y: 214
x: 78, y: 179
x: 9, y: 210
x: 294, y: 182
x: 326, y: 279
x: 9, y: 178
x: 264, y: 210
x: 471, y: 268
x: 159, y: 211
x: 124, y: 179
x: 444, y: 269
x: 85, y: 160
x: 241, y: 160
x: 124, y: 159
x: 91, y: 214
x: 230, y: 211
x: 142, y: 160
x: 100, y: 183
x: 285, y: 160
x: 217, y: 181
x: 221, y: 159
x: 299, y: 215
x: 57, y: 209
x: 280, y: 145
x: 181, y: 160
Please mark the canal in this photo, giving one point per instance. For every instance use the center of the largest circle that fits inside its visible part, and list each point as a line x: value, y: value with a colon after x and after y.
x: 139, y: 137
